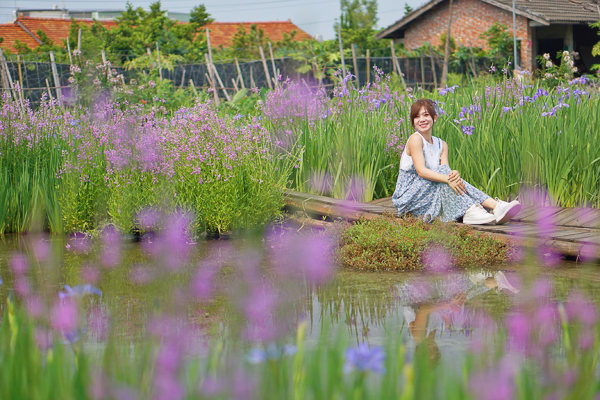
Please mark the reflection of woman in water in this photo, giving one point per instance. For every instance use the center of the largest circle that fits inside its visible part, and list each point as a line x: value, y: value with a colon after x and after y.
x: 430, y: 310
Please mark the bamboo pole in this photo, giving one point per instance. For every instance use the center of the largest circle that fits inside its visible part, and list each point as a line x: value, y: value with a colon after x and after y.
x: 20, y: 81
x: 69, y: 50
x: 368, y: 68
x: 158, y: 59
x: 397, y: 64
x: 49, y: 91
x: 193, y: 87
x: 209, y: 62
x: 56, y: 80
x: 182, y: 79
x: 103, y: 56
x: 79, y: 44
x: 341, y: 50
x: 422, y: 68
x: 264, y: 62
x: 355, y: 64
x: 435, y: 81
x: 275, y: 74
x: 237, y: 65
x: 221, y: 83
x: 252, y: 83
x: 8, y: 77
x: 235, y: 85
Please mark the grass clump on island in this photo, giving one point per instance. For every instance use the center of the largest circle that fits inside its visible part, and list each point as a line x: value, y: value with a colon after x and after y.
x: 407, y: 243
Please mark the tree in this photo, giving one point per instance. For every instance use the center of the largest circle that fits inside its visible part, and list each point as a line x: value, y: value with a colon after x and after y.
x: 199, y: 17
x: 357, y: 24
x: 447, y: 50
x: 499, y: 41
x: 596, y: 48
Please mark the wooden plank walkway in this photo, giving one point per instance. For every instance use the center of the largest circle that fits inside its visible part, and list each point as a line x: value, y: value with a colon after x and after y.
x: 568, y: 231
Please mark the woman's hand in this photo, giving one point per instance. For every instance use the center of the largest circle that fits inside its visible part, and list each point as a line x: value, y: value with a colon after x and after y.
x: 453, y: 175
x: 458, y: 186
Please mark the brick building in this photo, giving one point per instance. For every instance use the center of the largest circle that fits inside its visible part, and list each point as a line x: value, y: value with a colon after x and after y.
x: 543, y: 26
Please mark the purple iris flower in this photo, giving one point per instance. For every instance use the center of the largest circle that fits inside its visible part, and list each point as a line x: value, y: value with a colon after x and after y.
x: 79, y: 291
x: 272, y: 352
x: 447, y: 90
x: 364, y: 359
x: 467, y: 130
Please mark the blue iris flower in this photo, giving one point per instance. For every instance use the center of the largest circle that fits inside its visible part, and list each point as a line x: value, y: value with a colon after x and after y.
x: 364, y: 359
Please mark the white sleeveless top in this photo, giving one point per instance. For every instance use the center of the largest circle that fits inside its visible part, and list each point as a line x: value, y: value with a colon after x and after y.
x: 431, y: 152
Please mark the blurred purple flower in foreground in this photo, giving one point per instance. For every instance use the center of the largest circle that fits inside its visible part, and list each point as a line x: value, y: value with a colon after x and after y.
x: 364, y: 359
x: 436, y: 259
x: 494, y: 384
x: 64, y: 316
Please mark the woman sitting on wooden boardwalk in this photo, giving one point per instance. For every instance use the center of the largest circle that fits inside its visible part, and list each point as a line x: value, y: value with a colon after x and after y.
x: 427, y: 187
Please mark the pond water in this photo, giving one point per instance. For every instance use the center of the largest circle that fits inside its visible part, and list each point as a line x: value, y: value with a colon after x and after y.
x: 442, y: 311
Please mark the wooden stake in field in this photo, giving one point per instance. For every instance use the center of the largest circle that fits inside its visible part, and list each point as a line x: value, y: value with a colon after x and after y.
x: 211, y: 79
x: 355, y: 64
x: 237, y: 65
x: 435, y: 81
x: 103, y: 56
x: 6, y: 77
x: 422, y: 68
x: 69, y: 50
x: 20, y: 81
x: 209, y: 62
x: 342, y: 51
x: 158, y: 60
x: 193, y: 87
x: 397, y: 64
x: 49, y: 92
x: 182, y: 79
x: 235, y: 86
x: 79, y: 45
x: 221, y: 83
x: 56, y: 80
x: 275, y: 74
x: 252, y: 83
x: 368, y: 68
x: 264, y: 62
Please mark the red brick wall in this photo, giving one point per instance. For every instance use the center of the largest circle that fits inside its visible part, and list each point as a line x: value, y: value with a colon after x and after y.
x: 470, y: 18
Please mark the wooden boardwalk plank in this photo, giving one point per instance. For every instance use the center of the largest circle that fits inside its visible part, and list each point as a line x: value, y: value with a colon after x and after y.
x: 569, y: 230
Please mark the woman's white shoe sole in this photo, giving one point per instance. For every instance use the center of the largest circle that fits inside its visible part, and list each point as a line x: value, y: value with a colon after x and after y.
x: 509, y: 214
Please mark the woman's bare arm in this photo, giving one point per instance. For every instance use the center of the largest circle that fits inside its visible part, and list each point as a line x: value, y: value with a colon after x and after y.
x: 415, y: 146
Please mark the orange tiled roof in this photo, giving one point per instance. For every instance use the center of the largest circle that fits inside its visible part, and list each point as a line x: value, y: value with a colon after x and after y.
x: 221, y: 33
x: 12, y: 32
x: 57, y: 29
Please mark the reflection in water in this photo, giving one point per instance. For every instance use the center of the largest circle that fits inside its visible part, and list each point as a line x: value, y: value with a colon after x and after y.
x: 437, y: 309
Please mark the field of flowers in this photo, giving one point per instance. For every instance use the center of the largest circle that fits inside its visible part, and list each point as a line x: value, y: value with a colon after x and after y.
x: 83, y: 167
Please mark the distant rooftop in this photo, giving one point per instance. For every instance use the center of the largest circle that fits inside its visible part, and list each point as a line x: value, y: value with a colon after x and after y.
x: 97, y: 14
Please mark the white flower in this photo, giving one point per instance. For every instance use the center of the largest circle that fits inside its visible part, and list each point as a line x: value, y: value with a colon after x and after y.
x: 565, y: 53
x: 547, y: 56
x: 566, y: 76
x: 152, y: 84
x: 97, y: 82
x: 574, y: 69
x: 549, y: 64
x: 141, y: 87
x: 71, y: 80
x: 548, y: 75
x: 567, y: 59
x: 133, y: 82
x: 570, y: 63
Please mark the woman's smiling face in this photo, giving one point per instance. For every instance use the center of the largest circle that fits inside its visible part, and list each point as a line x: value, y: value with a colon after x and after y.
x: 423, y: 122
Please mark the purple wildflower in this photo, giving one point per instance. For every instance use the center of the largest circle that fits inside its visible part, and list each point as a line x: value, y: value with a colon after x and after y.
x: 467, y: 130
x: 364, y: 359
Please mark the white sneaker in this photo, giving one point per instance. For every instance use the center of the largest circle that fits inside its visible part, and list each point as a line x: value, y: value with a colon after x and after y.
x: 504, y: 211
x: 503, y: 283
x: 476, y: 215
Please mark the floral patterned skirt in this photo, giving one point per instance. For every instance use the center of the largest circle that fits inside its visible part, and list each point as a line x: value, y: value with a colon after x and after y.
x: 430, y: 200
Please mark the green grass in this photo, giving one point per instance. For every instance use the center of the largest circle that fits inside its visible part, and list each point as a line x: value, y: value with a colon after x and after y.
x: 398, y: 244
